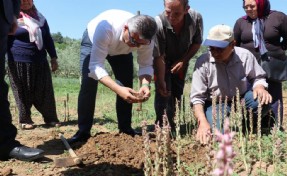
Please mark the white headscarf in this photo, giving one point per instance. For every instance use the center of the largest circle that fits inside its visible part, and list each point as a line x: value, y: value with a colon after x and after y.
x: 33, y: 27
x: 258, y: 38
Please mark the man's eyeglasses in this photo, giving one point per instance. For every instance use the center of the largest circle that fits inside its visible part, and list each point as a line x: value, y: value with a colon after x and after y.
x: 134, y: 42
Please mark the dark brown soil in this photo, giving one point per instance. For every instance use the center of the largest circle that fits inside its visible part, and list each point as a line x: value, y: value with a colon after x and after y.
x: 119, y: 154
x: 105, y: 154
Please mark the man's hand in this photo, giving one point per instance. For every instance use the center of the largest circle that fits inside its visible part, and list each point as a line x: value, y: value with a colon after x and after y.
x: 203, y: 134
x: 125, y: 93
x: 260, y: 93
x: 177, y: 67
x: 162, y: 89
x: 184, y: 60
x: 159, y: 65
x: 145, y: 93
x: 128, y: 94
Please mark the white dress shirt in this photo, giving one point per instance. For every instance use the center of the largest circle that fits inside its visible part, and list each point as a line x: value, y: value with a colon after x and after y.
x: 106, y: 34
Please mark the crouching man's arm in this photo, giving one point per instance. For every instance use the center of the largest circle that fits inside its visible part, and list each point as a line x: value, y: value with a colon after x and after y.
x: 204, y: 130
x: 260, y: 93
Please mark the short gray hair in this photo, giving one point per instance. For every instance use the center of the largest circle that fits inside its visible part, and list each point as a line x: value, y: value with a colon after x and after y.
x: 144, y: 25
x: 184, y: 2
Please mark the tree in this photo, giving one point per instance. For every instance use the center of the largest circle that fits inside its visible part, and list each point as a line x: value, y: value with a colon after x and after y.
x: 57, y: 37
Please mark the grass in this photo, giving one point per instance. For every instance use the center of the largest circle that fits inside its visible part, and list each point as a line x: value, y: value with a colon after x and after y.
x: 67, y: 90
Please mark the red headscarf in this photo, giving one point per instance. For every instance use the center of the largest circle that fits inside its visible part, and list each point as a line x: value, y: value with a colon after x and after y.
x: 263, y: 8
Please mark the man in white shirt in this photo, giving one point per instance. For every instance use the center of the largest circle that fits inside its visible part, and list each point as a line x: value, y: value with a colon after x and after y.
x: 113, y: 35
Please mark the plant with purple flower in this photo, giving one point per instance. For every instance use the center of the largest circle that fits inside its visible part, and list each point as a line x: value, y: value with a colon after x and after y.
x: 225, y: 153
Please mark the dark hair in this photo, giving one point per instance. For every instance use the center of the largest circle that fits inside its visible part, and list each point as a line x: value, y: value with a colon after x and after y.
x: 184, y: 2
x: 263, y: 7
x: 144, y: 25
x: 32, y: 12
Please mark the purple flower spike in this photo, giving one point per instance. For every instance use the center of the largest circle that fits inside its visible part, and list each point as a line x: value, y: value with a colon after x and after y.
x: 225, y: 152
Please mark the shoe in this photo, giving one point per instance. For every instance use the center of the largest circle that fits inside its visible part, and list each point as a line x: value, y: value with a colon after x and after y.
x: 131, y: 132
x: 79, y: 137
x: 24, y: 153
x: 26, y: 126
x: 53, y: 124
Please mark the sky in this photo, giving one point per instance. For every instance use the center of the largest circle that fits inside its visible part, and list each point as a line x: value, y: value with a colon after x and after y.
x: 70, y: 17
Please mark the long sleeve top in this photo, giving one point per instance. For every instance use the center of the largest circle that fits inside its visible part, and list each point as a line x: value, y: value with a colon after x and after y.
x: 20, y: 49
x: 275, y: 34
x: 212, y: 78
x: 106, y: 34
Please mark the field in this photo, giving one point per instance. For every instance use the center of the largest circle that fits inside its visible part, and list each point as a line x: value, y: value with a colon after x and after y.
x: 112, y: 154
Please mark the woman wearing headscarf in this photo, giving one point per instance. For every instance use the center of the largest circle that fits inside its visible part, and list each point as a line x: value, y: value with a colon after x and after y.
x: 264, y: 33
x: 29, y: 70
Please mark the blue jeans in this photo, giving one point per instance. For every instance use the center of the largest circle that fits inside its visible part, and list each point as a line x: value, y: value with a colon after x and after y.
x: 122, y: 66
x: 250, y: 102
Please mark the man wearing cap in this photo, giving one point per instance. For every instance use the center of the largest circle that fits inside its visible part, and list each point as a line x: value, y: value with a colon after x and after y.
x: 219, y: 72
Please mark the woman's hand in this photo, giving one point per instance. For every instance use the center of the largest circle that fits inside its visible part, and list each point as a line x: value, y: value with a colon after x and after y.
x: 54, y: 64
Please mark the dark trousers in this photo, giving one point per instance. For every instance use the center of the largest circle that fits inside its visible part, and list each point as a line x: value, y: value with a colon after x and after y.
x: 175, y: 84
x: 31, y: 84
x: 8, y: 131
x: 122, y: 66
x: 275, y: 90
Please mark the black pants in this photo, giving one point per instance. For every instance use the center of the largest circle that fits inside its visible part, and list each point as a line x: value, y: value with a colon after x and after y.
x: 8, y: 131
x: 122, y: 66
x: 32, y: 85
x: 275, y: 90
x: 175, y: 84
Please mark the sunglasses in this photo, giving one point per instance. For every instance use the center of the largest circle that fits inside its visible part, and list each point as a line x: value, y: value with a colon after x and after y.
x: 134, y: 42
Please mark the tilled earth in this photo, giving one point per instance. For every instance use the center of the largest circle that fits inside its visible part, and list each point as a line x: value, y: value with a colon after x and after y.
x: 105, y: 154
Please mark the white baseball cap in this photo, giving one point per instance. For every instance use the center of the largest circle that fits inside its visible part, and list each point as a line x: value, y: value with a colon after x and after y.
x: 219, y: 36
